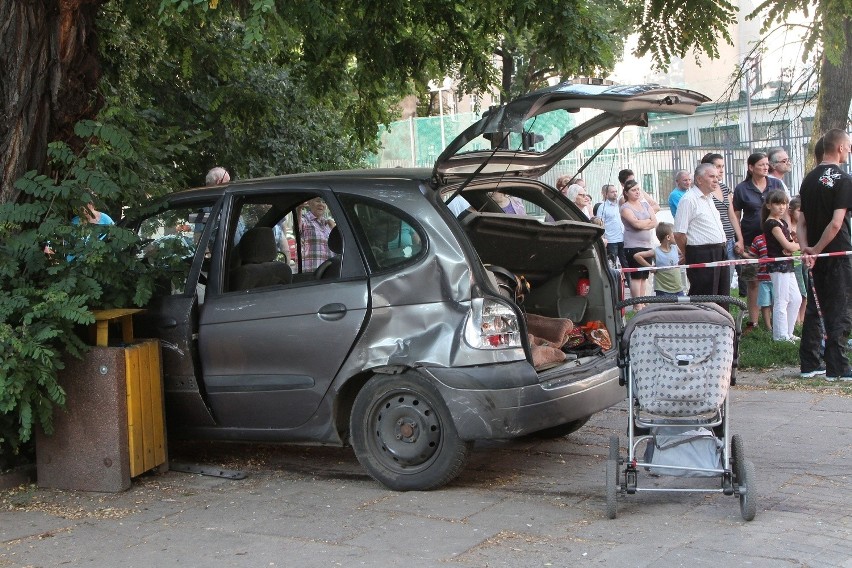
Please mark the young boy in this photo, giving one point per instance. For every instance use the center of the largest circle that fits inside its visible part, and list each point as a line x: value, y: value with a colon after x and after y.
x: 757, y: 249
x: 667, y: 282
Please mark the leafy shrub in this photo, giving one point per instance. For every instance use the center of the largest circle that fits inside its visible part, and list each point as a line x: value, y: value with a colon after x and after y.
x: 53, y: 273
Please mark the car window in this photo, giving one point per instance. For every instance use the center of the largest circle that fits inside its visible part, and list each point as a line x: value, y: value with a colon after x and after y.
x: 316, y: 224
x: 392, y: 238
x: 278, y: 240
x: 169, y: 241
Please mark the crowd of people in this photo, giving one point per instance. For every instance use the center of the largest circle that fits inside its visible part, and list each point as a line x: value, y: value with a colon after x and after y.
x: 758, y: 220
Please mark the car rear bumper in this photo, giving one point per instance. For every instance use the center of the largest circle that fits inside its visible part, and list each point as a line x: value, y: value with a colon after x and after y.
x: 508, y: 400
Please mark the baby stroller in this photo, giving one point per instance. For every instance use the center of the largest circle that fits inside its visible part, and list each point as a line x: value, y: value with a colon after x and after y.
x: 677, y: 357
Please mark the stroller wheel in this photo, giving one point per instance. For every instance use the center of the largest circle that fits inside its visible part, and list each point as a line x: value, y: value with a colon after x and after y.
x: 737, y: 457
x: 612, y: 479
x: 748, y: 491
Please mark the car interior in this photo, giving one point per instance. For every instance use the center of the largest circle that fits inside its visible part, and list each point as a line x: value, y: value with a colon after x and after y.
x: 549, y: 258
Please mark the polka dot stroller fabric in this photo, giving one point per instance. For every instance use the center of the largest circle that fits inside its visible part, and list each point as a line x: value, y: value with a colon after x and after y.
x: 681, y: 356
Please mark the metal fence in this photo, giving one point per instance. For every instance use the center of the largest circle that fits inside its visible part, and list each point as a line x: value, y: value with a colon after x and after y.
x: 418, y: 142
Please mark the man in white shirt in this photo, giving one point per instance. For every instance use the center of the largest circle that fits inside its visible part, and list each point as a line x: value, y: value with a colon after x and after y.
x: 700, y: 236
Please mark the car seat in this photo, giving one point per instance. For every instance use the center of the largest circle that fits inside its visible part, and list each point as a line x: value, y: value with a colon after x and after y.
x: 330, y: 269
x: 257, y: 253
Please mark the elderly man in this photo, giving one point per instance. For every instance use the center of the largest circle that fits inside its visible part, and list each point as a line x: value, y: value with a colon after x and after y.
x: 700, y: 236
x: 683, y: 181
x: 779, y: 164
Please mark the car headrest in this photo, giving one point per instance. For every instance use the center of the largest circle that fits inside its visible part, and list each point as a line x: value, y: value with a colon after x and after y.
x: 258, y: 245
x: 335, y: 241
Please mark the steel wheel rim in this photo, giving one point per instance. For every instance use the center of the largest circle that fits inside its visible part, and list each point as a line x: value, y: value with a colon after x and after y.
x: 405, y: 431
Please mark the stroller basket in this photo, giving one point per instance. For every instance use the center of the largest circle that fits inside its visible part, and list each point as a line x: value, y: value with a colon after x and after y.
x: 681, y: 356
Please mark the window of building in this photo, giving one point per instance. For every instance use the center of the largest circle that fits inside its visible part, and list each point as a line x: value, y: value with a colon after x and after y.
x: 777, y: 133
x: 720, y: 135
x: 669, y: 139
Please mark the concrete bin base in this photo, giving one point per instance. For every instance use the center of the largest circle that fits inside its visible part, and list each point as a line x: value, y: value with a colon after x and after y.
x: 93, y: 442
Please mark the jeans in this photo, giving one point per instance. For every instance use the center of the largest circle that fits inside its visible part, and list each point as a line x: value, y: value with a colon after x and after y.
x: 832, y: 278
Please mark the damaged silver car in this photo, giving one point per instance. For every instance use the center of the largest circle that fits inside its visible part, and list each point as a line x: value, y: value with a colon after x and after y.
x: 413, y: 314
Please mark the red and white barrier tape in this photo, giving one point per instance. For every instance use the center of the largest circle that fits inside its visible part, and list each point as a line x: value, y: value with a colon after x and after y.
x: 735, y: 262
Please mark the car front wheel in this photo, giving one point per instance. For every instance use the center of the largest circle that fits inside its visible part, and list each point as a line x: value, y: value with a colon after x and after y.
x: 404, y: 435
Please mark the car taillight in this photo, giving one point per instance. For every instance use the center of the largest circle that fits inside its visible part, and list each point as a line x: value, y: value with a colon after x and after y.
x: 491, y: 325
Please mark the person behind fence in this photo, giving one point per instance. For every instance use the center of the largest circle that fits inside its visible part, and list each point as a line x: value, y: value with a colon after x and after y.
x: 639, y: 220
x: 785, y: 292
x: 683, y: 181
x: 667, y: 282
x: 723, y: 200
x: 510, y: 204
x: 826, y: 194
x: 581, y: 198
x: 700, y: 236
x: 315, y: 226
x: 748, y: 203
x: 609, y: 212
x: 627, y: 175
x: 757, y: 249
x: 798, y: 268
x: 779, y: 164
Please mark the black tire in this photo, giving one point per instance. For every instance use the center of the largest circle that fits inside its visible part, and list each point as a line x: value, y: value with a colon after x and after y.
x: 403, y: 434
x: 737, y: 456
x: 614, y: 448
x: 562, y: 430
x: 748, y: 491
x: 611, y: 489
x: 612, y: 478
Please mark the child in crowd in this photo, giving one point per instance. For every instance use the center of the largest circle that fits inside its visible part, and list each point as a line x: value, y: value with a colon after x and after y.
x: 785, y: 291
x: 800, y: 269
x: 757, y: 249
x: 667, y: 282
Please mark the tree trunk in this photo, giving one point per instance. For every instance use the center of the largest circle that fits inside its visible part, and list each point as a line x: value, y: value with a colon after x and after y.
x: 49, y: 72
x: 508, y: 73
x: 835, y: 93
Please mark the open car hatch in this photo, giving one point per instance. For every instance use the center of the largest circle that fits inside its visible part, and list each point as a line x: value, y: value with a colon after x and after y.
x: 529, y: 135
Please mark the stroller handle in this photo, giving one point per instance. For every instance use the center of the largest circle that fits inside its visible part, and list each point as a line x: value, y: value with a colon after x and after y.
x: 728, y: 300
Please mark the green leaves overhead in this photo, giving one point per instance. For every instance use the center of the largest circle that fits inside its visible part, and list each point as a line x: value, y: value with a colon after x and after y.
x: 671, y: 28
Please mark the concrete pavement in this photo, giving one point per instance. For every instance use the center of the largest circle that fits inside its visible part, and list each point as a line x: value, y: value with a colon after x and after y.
x: 518, y: 504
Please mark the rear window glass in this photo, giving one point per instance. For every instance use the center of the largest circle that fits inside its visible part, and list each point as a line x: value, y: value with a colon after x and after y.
x: 391, y: 238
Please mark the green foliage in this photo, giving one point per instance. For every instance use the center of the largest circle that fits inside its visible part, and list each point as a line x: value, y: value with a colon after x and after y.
x: 831, y: 18
x: 558, y: 38
x: 193, y: 97
x: 363, y: 56
x: 54, y: 272
x: 671, y: 28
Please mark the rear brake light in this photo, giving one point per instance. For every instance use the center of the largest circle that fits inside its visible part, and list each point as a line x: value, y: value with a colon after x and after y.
x: 491, y: 325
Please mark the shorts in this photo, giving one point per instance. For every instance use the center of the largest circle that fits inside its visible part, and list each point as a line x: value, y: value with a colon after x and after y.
x: 748, y: 272
x: 631, y: 262
x: 764, y: 294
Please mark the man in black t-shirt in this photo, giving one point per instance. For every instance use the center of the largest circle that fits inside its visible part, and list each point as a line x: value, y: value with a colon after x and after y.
x: 823, y: 226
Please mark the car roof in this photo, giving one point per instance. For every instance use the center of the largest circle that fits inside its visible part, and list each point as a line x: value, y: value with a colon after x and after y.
x: 307, y: 181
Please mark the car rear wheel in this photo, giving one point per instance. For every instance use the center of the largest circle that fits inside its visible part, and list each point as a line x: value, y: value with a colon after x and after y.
x: 403, y: 434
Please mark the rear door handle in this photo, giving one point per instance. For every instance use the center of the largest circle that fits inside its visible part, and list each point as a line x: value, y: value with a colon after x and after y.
x: 332, y: 312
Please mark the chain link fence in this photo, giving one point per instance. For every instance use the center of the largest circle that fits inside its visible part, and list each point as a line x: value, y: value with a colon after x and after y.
x: 418, y: 142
